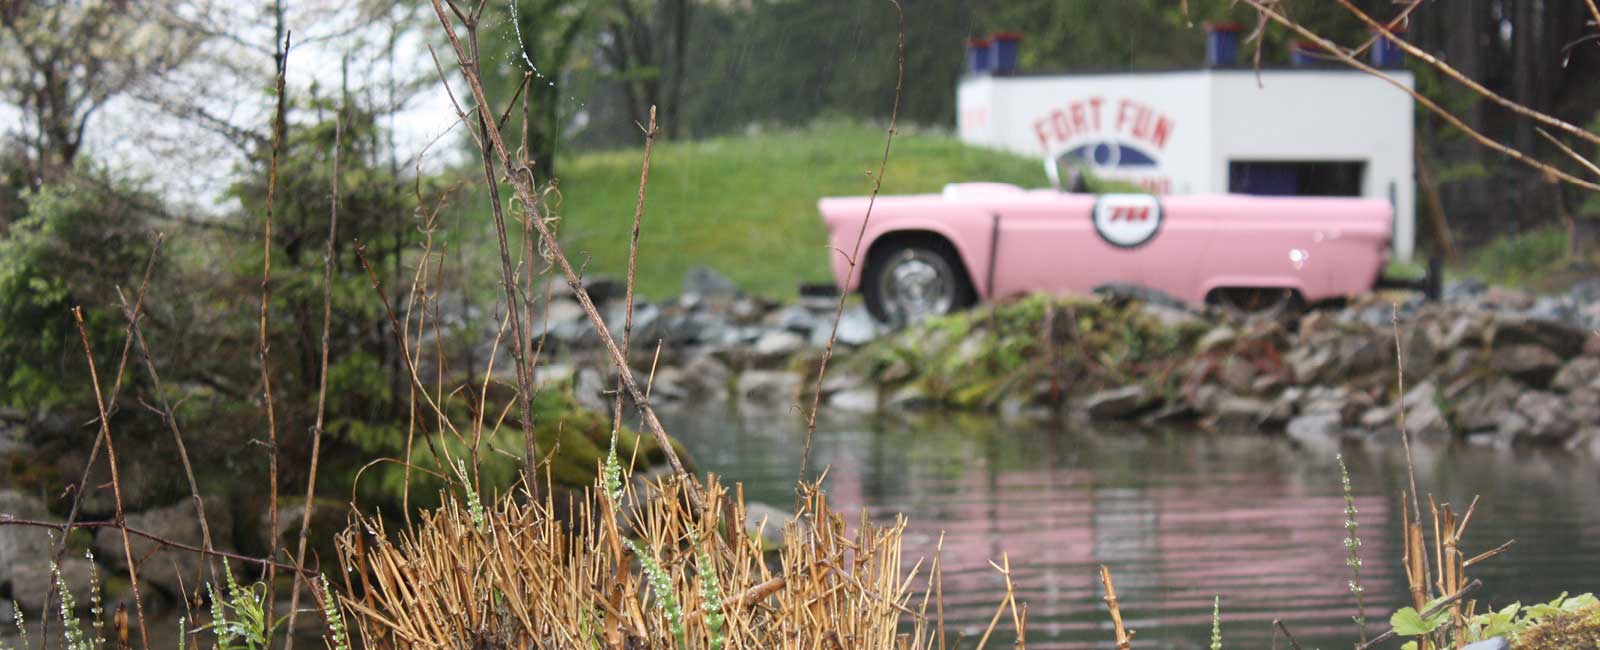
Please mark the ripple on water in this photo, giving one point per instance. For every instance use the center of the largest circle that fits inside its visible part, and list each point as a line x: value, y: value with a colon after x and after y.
x: 1179, y: 516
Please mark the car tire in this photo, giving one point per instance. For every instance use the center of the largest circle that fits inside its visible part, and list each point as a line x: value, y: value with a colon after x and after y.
x: 915, y: 279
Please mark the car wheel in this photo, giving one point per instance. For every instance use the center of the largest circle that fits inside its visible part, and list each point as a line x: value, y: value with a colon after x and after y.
x: 910, y: 282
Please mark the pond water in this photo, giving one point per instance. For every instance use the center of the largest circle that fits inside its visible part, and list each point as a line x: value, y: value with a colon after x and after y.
x: 1180, y: 516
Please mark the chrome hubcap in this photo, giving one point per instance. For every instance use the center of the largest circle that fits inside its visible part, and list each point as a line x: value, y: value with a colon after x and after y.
x: 919, y: 289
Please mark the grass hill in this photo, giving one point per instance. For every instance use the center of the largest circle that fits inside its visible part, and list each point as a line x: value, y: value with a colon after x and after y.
x: 746, y: 205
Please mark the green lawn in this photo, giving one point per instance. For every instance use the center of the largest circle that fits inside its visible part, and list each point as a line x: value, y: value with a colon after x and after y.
x: 746, y: 205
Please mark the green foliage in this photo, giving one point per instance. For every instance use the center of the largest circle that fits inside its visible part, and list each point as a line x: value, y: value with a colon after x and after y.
x: 1352, y: 543
x: 77, y: 240
x: 1216, y: 623
x: 661, y: 585
x: 1520, y: 258
x: 71, y: 630
x: 711, y: 596
x: 334, y: 617
x: 238, y: 618
x: 1526, y: 626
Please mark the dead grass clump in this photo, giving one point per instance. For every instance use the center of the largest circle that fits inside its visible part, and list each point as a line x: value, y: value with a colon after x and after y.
x: 658, y: 575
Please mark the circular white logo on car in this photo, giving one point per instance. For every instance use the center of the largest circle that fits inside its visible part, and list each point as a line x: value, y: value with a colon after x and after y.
x: 1127, y: 220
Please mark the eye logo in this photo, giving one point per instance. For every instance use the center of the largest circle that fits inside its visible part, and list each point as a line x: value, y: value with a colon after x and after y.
x: 1110, y: 154
x: 1127, y: 220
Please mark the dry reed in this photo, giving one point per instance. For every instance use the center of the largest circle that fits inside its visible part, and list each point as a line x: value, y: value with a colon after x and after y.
x: 523, y: 577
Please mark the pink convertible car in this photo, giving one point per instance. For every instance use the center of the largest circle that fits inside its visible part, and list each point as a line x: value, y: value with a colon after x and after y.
x: 926, y: 255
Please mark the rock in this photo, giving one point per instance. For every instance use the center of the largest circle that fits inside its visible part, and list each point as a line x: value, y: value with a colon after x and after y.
x: 773, y: 388
x: 1553, y: 309
x: 912, y: 397
x: 1426, y: 420
x: 897, y: 370
x: 1218, y: 338
x: 856, y: 327
x: 1529, y: 363
x: 706, y: 377
x: 1464, y: 290
x: 1316, y: 429
x: 1238, y: 374
x: 1505, y: 298
x: 669, y: 384
x: 1309, y: 364
x: 602, y: 289
x: 1560, y: 338
x: 839, y: 380
x: 1481, y: 407
x: 1361, y: 354
x: 1168, y: 316
x: 1236, y: 414
x: 1116, y: 402
x: 854, y: 400
x: 177, y: 522
x: 777, y: 345
x: 589, y: 386
x: 21, y: 545
x: 31, y: 581
x: 1591, y: 345
x: 1446, y: 336
x: 1265, y: 384
x: 1120, y: 293
x: 748, y: 310
x: 557, y: 312
x: 1496, y: 643
x: 1579, y: 372
x: 767, y: 523
x: 1205, y: 398
x: 1544, y: 419
x: 706, y: 283
x: 1325, y: 399
x: 793, y: 318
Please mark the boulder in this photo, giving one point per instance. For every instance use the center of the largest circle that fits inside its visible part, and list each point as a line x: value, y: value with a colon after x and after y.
x: 854, y: 400
x: 1120, y: 293
x: 856, y: 327
x: 162, y: 567
x: 1238, y: 374
x: 707, y: 283
x: 31, y: 580
x: 1168, y: 316
x: 1238, y: 414
x: 777, y: 346
x: 1579, y: 372
x: 766, y: 522
x: 912, y: 397
x: 1315, y: 429
x: 21, y: 546
x: 771, y: 388
x: 1541, y: 418
x: 1480, y: 407
x: 706, y: 377
x: 1561, y: 338
x: 1464, y: 290
x: 1529, y: 363
x: 793, y: 318
x: 1218, y: 338
x: 669, y: 384
x: 1116, y: 402
x: 1309, y: 364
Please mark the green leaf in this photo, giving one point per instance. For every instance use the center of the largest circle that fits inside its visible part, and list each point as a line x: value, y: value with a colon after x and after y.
x: 1407, y: 622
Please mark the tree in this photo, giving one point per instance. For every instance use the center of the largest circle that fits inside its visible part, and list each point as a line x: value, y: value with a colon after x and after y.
x: 68, y: 59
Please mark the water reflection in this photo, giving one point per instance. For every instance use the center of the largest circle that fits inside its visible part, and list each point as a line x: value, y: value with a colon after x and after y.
x: 1179, y: 516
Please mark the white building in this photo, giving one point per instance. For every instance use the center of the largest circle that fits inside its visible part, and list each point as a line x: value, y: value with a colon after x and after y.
x: 1301, y: 131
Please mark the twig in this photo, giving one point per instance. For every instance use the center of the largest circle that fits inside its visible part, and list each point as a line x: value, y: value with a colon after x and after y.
x: 633, y: 266
x: 172, y: 424
x: 1489, y: 553
x: 855, y: 253
x: 1268, y: 13
x: 266, y: 293
x: 322, y: 383
x: 1437, y: 607
x: 521, y: 182
x: 9, y: 520
x: 116, y: 480
x: 94, y: 452
x: 1124, y: 636
x: 1278, y: 623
